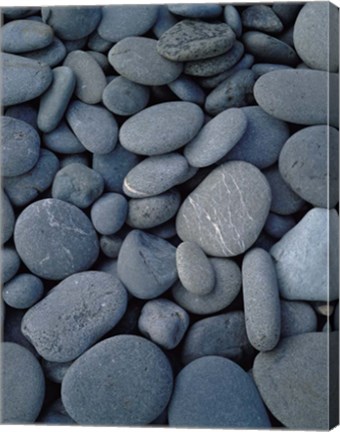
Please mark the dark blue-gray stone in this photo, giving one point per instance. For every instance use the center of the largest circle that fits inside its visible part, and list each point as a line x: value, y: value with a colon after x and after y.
x: 299, y: 96
x: 269, y: 49
x: 287, y: 12
x: 10, y: 263
x: 62, y: 140
x: 75, y: 314
x: 102, y: 60
x: 164, y: 21
x: 297, y: 317
x: 146, y: 264
x: 121, y: 21
x: 7, y: 217
x: 72, y: 22
x: 221, y: 335
x: 21, y: 36
x: 161, y: 128
x: 77, y: 184
x: 187, y: 90
x: 20, y: 146
x: 155, y: 175
x: 55, y: 371
x: 235, y: 91
x: 194, y: 40
x: 315, y: 179
x: 55, y: 239
x: 18, y: 12
x: 22, y: 385
x: 97, y: 43
x: 336, y: 317
x: 56, y: 414
x: 262, y: 141
x: 233, y: 19
x: 145, y: 213
x: 277, y: 225
x: 166, y: 230
x: 114, y: 166
x: 25, y: 112
x: 226, y: 288
x: 263, y: 68
x: 109, y: 212
x: 137, y: 59
x: 208, y: 10
x: 90, y: 78
x: 164, y: 322
x: 23, y: 291
x: 124, y: 97
x: 53, y: 103
x: 82, y: 158
x: 52, y: 55
x: 23, y: 79
x: 262, y: 18
x: 227, y: 387
x: 134, y: 367
x: 74, y: 45
x: 110, y: 245
x: 94, y: 126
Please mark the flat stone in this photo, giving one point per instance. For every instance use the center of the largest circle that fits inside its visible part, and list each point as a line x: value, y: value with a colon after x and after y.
x: 315, y: 39
x: 25, y: 35
x: 194, y: 40
x: 110, y: 245
x: 52, y: 55
x: 221, y: 335
x: 25, y: 112
x: 314, y: 179
x: 233, y: 19
x: 227, y: 211
x: 304, y: 256
x: 236, y: 91
x: 277, y: 226
x: 155, y: 175
x: 161, y: 128
x: 109, y: 212
x: 263, y: 139
x: 282, y: 377
x: 262, y: 18
x: 164, y: 322
x: 10, y: 263
x: 121, y: 21
x: 94, y: 126
x: 75, y: 314
x: 225, y: 384
x: 55, y: 239
x: 137, y: 59
x: 146, y: 264
x: 298, y: 96
x: 62, y: 140
x: 195, y: 271
x: 20, y: 146
x: 208, y: 10
x: 55, y: 371
x: 135, y: 367
x: 23, y: 291
x: 187, y: 90
x: 22, y: 385
x: 227, y: 286
x: 7, y: 218
x: 261, y: 300
x: 77, y: 184
x: 297, y: 317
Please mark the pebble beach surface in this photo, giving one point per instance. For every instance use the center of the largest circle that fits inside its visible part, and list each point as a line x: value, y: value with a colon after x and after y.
x: 169, y: 211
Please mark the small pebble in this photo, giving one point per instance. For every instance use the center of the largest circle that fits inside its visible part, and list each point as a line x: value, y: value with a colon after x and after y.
x: 164, y: 21
x: 23, y: 291
x: 297, y: 317
x: 263, y: 68
x: 10, y: 263
x: 262, y: 18
x: 109, y: 212
x: 323, y: 308
x: 56, y: 414
x: 277, y: 226
x: 287, y: 12
x: 82, y: 158
x: 62, y: 140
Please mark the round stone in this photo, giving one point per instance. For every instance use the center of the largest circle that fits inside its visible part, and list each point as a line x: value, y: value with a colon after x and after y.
x: 262, y: 18
x: 227, y: 211
x: 7, y: 218
x: 10, y: 263
x: 226, y: 386
x: 226, y: 288
x: 161, y: 128
x: 62, y: 140
x: 313, y: 179
x: 109, y: 212
x: 20, y: 146
x: 23, y: 291
x: 22, y: 385
x: 52, y: 55
x: 137, y: 59
x: 297, y: 317
x: 132, y: 369
x: 55, y: 239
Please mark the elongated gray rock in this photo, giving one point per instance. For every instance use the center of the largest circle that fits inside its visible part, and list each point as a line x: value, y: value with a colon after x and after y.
x: 23, y: 79
x: 297, y: 317
x: 55, y: 239
x: 227, y: 211
x: 52, y: 55
x: 262, y: 18
x: 62, y: 140
x: 298, y: 96
x: 7, y: 217
x: 20, y: 36
x: 178, y: 122
x: 74, y: 315
x: 305, y: 255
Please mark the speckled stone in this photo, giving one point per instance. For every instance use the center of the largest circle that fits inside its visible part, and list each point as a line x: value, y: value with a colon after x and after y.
x: 94, y: 126
x: 298, y: 96
x: 316, y: 179
x: 277, y: 226
x: 263, y: 18
x: 62, y: 140
x: 304, y: 257
x: 55, y: 239
x: 23, y: 291
x: 195, y: 40
x: 10, y: 263
x: 233, y: 19
x: 208, y: 10
x: 297, y: 317
x: 134, y: 366
x: 164, y: 322
x: 221, y: 335
x: 146, y: 264
x: 227, y: 286
x: 229, y: 229
x: 7, y: 217
x: 137, y: 59
x: 109, y: 212
x: 74, y: 315
x: 195, y: 271
x: 187, y: 90
x: 52, y: 55
x: 55, y: 371
x: 225, y: 384
x: 102, y: 60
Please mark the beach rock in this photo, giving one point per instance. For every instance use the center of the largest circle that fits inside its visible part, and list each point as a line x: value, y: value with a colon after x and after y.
x: 110, y: 245
x: 187, y: 90
x: 262, y: 18
x: 263, y: 68
x: 109, y: 213
x: 10, y: 263
x: 62, y: 140
x: 287, y: 12
x: 7, y: 218
x: 23, y: 291
x: 297, y: 317
x: 277, y: 226
x: 55, y: 371
x: 233, y: 19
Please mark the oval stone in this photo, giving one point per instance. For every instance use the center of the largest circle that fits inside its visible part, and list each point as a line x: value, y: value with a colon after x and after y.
x: 109, y: 212
x: 23, y: 291
x: 277, y: 226
x: 132, y: 369
x: 62, y: 140
x: 74, y: 315
x: 10, y: 263
x: 233, y: 19
x: 52, y: 55
x: 227, y: 211
x: 161, y: 128
x: 25, y: 112
x: 55, y: 239
x: 262, y: 18
x: 187, y: 90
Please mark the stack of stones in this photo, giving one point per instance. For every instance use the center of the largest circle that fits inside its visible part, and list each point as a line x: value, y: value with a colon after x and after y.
x: 169, y: 215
